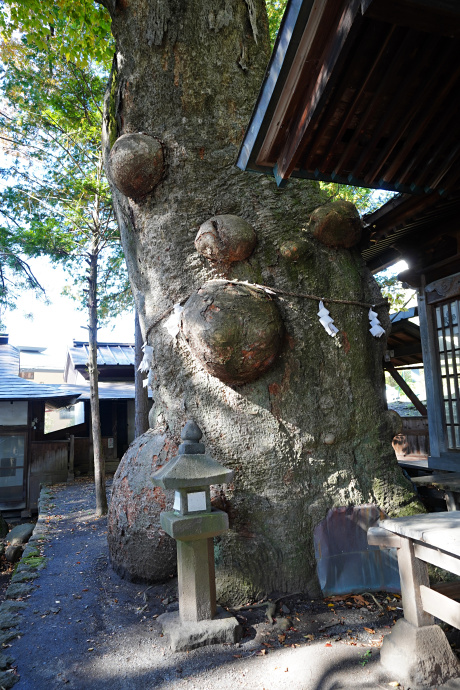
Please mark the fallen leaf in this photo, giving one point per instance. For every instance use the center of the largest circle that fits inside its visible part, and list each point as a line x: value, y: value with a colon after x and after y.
x: 90, y: 649
x: 309, y: 637
x: 369, y: 630
x: 328, y: 644
x: 261, y: 652
x: 394, y: 684
x: 281, y: 638
x: 237, y: 656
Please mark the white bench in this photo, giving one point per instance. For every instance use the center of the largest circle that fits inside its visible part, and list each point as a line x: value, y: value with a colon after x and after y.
x: 421, y: 539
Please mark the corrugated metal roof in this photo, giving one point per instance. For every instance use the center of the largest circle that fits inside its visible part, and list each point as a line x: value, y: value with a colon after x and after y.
x: 108, y: 354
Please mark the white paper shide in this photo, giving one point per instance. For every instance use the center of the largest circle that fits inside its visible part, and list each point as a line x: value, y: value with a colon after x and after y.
x: 327, y: 321
x: 147, y: 360
x: 376, y: 327
x: 172, y: 323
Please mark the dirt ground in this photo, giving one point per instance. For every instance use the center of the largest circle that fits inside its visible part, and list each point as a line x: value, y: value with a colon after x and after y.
x: 84, y: 628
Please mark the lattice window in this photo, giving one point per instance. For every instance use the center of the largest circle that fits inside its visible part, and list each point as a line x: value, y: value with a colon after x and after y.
x: 447, y: 322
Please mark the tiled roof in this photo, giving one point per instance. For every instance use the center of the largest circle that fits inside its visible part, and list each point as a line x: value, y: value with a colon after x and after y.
x: 13, y: 387
x: 40, y: 361
x: 16, y: 388
x: 9, y: 360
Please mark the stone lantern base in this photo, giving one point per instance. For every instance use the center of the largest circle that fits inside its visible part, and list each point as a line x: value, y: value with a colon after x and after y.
x: 183, y: 636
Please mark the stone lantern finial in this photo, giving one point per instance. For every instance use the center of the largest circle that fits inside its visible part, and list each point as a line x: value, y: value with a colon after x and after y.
x: 191, y: 434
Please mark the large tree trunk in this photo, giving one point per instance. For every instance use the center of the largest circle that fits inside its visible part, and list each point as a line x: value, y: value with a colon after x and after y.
x: 312, y: 431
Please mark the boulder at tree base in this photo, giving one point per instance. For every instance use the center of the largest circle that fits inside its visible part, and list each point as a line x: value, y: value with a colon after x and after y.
x: 139, y: 549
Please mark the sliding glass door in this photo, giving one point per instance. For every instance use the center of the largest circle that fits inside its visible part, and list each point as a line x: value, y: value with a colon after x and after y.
x: 12, y: 467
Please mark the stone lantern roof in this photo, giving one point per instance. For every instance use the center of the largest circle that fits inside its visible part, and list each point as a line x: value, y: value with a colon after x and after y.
x: 192, y: 468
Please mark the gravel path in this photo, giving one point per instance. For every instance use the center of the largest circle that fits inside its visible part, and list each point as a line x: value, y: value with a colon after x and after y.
x: 81, y: 627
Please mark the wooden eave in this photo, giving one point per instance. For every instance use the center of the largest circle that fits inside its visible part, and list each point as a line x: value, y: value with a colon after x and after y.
x: 404, y: 344
x: 362, y: 92
x: 406, y: 227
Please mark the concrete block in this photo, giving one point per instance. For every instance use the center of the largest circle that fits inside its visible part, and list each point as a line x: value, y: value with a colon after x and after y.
x: 223, y: 628
x: 420, y: 656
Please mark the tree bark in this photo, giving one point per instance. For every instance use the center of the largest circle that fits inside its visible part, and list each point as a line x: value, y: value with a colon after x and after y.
x: 141, y: 400
x: 312, y: 431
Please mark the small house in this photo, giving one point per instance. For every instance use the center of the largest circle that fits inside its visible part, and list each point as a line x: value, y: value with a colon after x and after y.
x: 27, y: 457
x: 45, y: 429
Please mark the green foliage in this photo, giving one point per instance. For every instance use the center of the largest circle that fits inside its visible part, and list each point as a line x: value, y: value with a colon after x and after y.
x: 366, y: 200
x: 406, y: 374
x: 55, y: 201
x: 275, y: 11
x: 393, y: 290
x: 365, y: 657
x: 77, y: 31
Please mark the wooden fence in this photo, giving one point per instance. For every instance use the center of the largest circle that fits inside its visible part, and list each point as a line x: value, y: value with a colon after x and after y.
x: 413, y: 441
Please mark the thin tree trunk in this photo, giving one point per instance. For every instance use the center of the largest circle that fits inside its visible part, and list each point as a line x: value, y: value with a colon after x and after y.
x: 99, y: 460
x: 141, y: 401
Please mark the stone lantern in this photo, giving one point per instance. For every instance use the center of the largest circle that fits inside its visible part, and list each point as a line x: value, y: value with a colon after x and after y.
x: 193, y: 523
